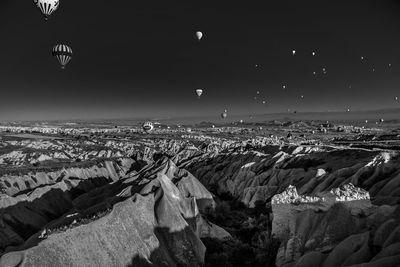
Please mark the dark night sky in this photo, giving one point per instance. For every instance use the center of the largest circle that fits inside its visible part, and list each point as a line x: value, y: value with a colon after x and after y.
x: 141, y: 58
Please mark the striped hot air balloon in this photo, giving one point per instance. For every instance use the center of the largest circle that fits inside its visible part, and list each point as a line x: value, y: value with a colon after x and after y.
x: 47, y: 7
x: 148, y: 126
x: 63, y: 53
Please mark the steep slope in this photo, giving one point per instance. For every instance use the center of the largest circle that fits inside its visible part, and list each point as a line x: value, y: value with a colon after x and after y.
x: 316, y: 224
x: 150, y: 218
x: 254, y: 176
x: 250, y: 202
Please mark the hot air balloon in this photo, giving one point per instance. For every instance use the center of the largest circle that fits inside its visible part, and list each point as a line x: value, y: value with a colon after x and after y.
x: 199, y: 92
x: 294, y: 52
x: 284, y: 86
x: 47, y: 7
x: 313, y: 53
x: 148, y: 126
x: 224, y: 114
x: 241, y: 121
x: 396, y: 98
x: 63, y: 53
x: 199, y: 35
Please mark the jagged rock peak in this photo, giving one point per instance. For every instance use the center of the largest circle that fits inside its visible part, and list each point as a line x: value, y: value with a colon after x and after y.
x: 349, y: 192
x: 290, y: 196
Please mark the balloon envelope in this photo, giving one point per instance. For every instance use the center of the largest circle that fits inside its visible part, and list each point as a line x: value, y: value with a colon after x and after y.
x: 47, y: 7
x: 148, y: 126
x: 199, y: 35
x: 199, y: 92
x: 63, y: 53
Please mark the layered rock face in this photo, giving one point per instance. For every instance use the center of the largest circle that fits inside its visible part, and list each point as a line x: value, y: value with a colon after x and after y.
x: 324, y: 205
x: 310, y: 223
x: 151, y: 218
x: 328, y: 203
x: 338, y: 228
x: 259, y: 174
x: 17, y: 184
x: 31, y: 201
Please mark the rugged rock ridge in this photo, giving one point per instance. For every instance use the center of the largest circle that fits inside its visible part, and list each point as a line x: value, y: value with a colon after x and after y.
x: 31, y: 201
x: 342, y: 194
x: 30, y: 152
x: 330, y: 229
x: 290, y: 196
x: 319, y: 170
x: 321, y: 202
x: 347, y: 192
x: 14, y: 185
x: 150, y: 218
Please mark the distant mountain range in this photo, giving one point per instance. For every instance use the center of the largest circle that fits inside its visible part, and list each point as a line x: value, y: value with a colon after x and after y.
x: 391, y: 115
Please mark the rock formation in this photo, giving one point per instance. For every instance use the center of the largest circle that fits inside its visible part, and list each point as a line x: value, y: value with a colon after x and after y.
x: 150, y: 218
x: 197, y: 199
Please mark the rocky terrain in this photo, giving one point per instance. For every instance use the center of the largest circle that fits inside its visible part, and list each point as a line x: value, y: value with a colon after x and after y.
x: 209, y: 197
